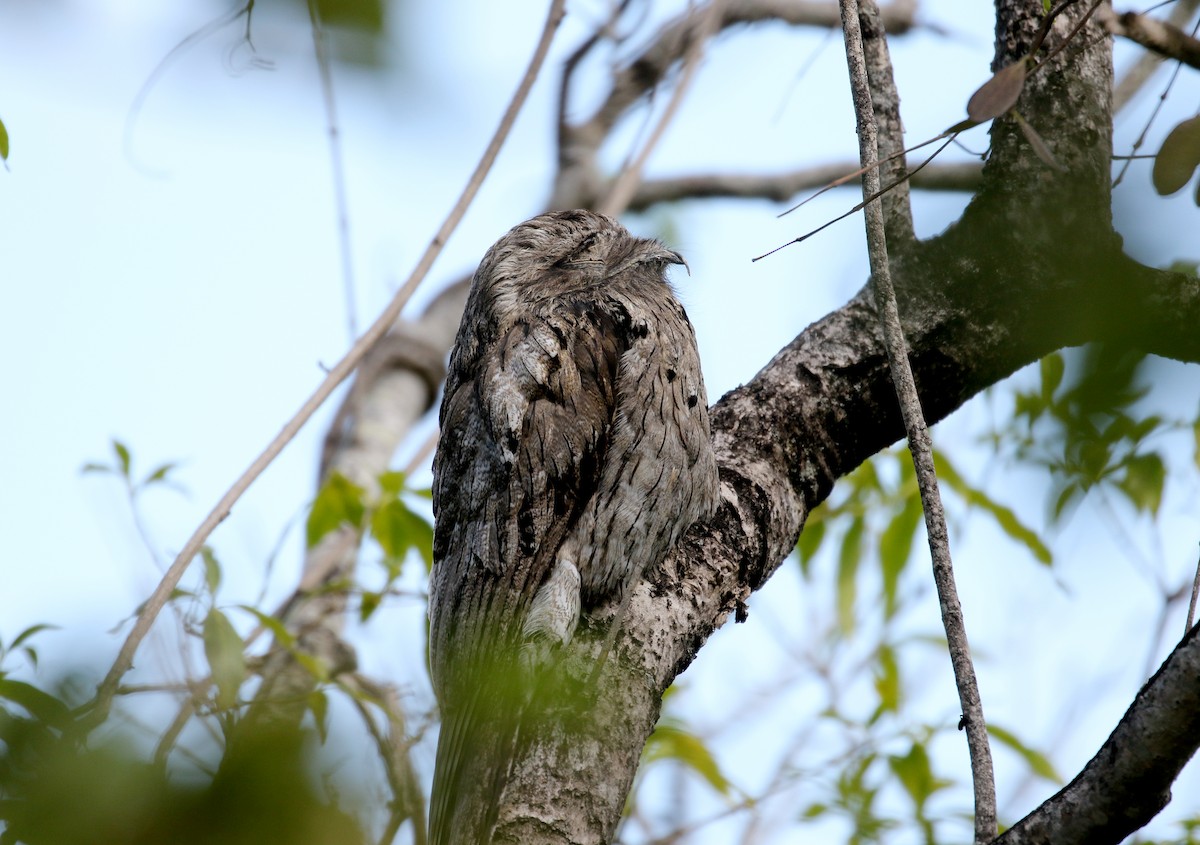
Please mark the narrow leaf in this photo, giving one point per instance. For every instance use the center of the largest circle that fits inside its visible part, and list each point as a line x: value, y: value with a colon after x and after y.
x: 282, y: 635
x: 1052, y: 367
x: 318, y: 703
x: 39, y: 704
x: 847, y: 574
x: 1178, y: 157
x: 669, y: 742
x: 3, y: 142
x: 212, y: 569
x: 999, y: 94
x: 1040, y: 148
x: 29, y: 632
x: 122, y: 456
x: 1037, y: 762
x: 226, y: 658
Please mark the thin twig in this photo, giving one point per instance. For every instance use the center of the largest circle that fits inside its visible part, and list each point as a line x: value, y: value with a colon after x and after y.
x: 918, y: 440
x: 101, y: 704
x: 1191, y: 617
x: 337, y: 167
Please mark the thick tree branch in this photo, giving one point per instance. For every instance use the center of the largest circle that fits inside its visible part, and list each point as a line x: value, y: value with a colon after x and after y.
x: 1129, y: 780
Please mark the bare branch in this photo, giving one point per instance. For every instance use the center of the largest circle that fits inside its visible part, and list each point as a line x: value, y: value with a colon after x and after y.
x: 579, y: 143
x: 1129, y: 780
x: 919, y: 443
x: 1133, y: 80
x: 101, y: 704
x: 781, y: 187
x: 1159, y: 36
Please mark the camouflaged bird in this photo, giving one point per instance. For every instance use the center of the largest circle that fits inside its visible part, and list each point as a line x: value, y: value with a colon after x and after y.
x: 574, y: 454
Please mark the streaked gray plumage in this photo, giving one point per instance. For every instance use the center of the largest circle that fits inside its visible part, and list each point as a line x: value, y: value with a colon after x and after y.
x: 574, y: 454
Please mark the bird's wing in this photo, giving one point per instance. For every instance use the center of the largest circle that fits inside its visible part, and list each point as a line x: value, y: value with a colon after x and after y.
x: 524, y: 431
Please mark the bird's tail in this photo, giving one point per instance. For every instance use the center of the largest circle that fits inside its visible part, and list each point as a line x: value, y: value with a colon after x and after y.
x: 475, y: 752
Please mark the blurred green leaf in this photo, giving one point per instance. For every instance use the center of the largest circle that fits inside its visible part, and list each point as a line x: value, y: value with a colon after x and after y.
x: 318, y: 703
x: 887, y: 681
x: 368, y: 604
x: 31, y: 631
x: 391, y: 482
x: 814, y: 530
x: 123, y: 458
x: 895, y: 549
x: 278, y: 630
x: 212, y: 570
x: 1005, y: 518
x: 671, y: 742
x: 39, y: 704
x: 1196, y: 440
x: 226, y: 657
x: 915, y: 774
x: 159, y: 474
x: 339, y: 501
x: 1143, y: 481
x: 1037, y: 762
x: 1052, y: 368
x: 3, y: 142
x: 847, y: 574
x: 397, y: 529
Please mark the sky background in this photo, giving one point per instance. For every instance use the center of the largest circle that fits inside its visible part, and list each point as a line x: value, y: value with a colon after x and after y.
x: 171, y: 277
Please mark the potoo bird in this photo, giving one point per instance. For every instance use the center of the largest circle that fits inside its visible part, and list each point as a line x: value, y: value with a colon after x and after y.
x: 574, y: 454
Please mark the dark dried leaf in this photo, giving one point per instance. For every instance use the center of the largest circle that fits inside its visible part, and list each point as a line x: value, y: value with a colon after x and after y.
x: 1178, y: 158
x: 999, y: 94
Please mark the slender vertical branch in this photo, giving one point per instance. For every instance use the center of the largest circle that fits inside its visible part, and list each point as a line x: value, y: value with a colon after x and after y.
x: 918, y: 435
x: 100, y: 705
x: 336, y: 165
x: 885, y: 103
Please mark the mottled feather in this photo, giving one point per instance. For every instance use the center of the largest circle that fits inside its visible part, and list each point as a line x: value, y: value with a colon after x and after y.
x: 574, y: 454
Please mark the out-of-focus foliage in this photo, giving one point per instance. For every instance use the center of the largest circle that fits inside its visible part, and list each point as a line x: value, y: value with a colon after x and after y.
x: 57, y: 793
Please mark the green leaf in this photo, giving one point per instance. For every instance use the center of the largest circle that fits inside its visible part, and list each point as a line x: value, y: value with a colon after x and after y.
x: 159, y: 474
x: 339, y: 501
x: 1143, y: 481
x: 396, y: 528
x: 391, y: 482
x: 847, y: 574
x: 278, y: 630
x: 887, y: 681
x: 895, y: 548
x: 212, y: 570
x: 368, y: 603
x: 39, y: 704
x: 3, y: 142
x: 1196, y: 439
x: 123, y: 459
x: 29, y: 632
x: 915, y: 774
x: 669, y: 742
x: 318, y: 703
x: 1037, y: 762
x: 1005, y: 518
x: 226, y: 657
x: 94, y: 467
x: 813, y: 531
x: 1052, y: 369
